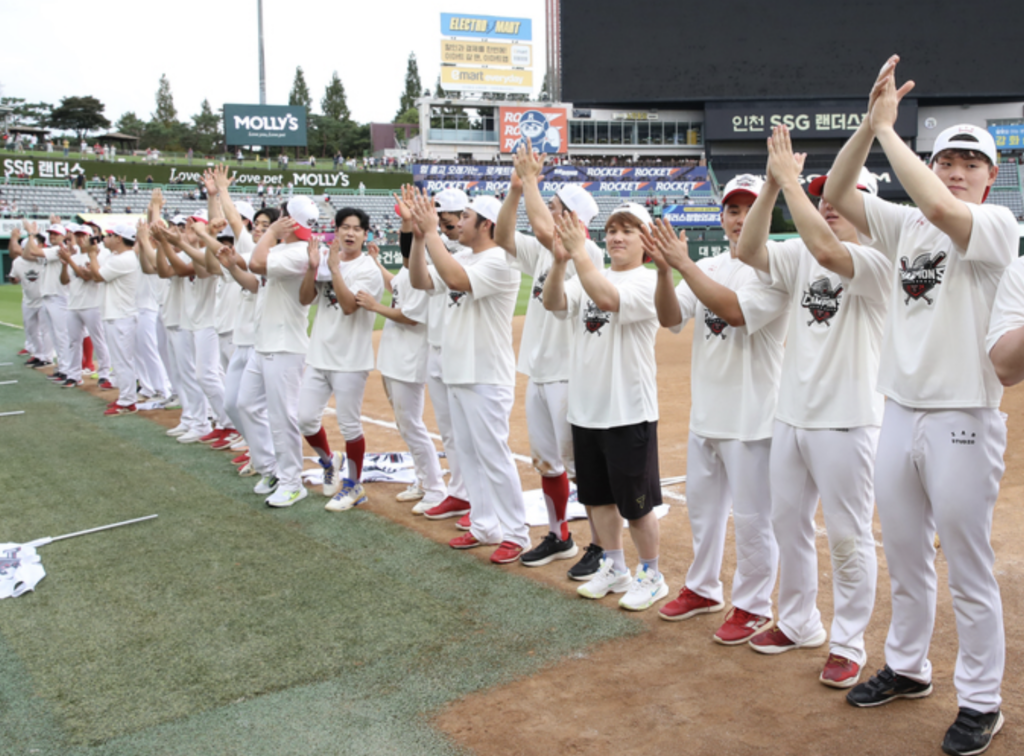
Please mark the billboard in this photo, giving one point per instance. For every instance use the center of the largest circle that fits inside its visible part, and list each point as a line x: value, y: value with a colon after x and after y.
x: 277, y: 125
x: 483, y: 53
x: 547, y: 129
x: 486, y: 27
x: 486, y: 54
x: 1009, y: 136
x: 463, y: 79
x: 692, y: 216
x: 824, y: 119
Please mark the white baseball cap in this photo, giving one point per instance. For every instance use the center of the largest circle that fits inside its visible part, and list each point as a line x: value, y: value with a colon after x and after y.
x: 179, y: 220
x: 580, y: 201
x: 304, y: 212
x: 866, y: 182
x: 486, y: 207
x: 126, y: 231
x: 246, y: 210
x: 226, y: 233
x: 56, y: 228
x: 86, y: 230
x: 201, y: 216
x: 745, y: 183
x: 966, y: 137
x: 451, y: 201
x: 637, y: 211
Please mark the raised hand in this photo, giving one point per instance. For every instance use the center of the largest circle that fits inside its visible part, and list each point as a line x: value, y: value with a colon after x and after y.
x: 784, y: 165
x: 373, y: 251
x: 674, y: 249
x: 365, y: 300
x: 313, y: 248
x: 216, y: 226
x: 403, y: 206
x: 884, y: 100
x: 569, y: 231
x: 527, y: 162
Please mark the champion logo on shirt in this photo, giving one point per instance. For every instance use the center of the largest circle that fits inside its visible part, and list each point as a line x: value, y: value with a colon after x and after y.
x: 32, y: 275
x: 538, y: 285
x: 456, y: 298
x: 715, y: 325
x: 923, y: 276
x: 332, y: 298
x: 822, y: 301
x: 594, y: 318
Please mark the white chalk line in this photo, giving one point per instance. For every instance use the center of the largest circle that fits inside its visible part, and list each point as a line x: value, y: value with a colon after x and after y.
x: 12, y: 325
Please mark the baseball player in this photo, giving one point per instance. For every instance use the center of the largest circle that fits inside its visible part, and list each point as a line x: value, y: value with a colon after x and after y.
x: 828, y: 415
x: 402, y: 362
x: 735, y: 366
x: 273, y: 375
x: 29, y: 273
x: 340, y: 355
x: 940, y: 452
x: 613, y: 397
x: 54, y: 294
x: 544, y: 351
x: 120, y: 273
x: 449, y: 204
x: 85, y: 296
x: 478, y: 367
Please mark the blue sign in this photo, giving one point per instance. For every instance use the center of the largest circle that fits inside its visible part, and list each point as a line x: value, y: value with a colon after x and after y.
x: 486, y: 27
x: 564, y: 172
x: 692, y: 216
x: 1009, y: 137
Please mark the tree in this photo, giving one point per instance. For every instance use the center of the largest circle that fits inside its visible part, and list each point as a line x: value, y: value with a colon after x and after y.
x: 27, y: 113
x: 334, y: 104
x: 413, y: 86
x: 205, y: 130
x: 79, y: 114
x: 129, y: 123
x: 165, y: 113
x: 300, y: 93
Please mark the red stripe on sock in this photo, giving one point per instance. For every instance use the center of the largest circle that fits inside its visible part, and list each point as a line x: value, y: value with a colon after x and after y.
x: 319, y: 443
x: 557, y: 489
x: 355, y: 450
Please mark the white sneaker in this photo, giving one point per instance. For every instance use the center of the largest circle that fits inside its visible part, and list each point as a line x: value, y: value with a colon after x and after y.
x: 282, y: 498
x: 190, y: 437
x: 240, y: 445
x: 424, y: 504
x: 178, y: 430
x: 412, y: 493
x: 247, y: 470
x: 645, y: 589
x: 350, y: 495
x: 606, y: 581
x: 332, y: 475
x: 266, y: 485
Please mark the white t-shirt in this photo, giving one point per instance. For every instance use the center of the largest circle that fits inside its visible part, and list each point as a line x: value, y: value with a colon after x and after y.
x: 146, y: 296
x: 477, y: 343
x: 82, y: 294
x: 51, y: 286
x: 344, y: 342
x: 544, y: 346
x: 175, y: 313
x: 30, y: 275
x: 200, y: 303
x: 439, y: 305
x: 403, y: 348
x: 1008, y: 308
x: 933, y: 350
x: 244, y: 329
x: 612, y: 370
x: 834, y: 339
x: 120, y: 273
x: 734, y: 372
x: 281, y: 321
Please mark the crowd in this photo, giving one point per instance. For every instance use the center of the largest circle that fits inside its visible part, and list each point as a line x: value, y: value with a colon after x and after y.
x: 860, y: 363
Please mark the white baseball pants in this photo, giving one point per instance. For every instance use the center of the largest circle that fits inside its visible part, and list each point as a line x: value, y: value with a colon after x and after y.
x: 82, y: 323
x: 254, y: 423
x: 274, y: 381
x: 232, y: 381
x: 547, y: 407
x: 480, y: 415
x: 407, y: 402
x: 348, y: 389
x: 838, y: 465
x: 724, y: 474
x: 164, y: 347
x: 939, y: 471
x: 152, y: 373
x: 210, y: 374
x: 121, y: 343
x: 55, y: 316
x: 37, y: 338
x: 193, y: 401
x: 227, y: 348
x: 439, y: 398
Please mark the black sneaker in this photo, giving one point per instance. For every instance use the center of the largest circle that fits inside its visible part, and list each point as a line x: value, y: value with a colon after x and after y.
x: 548, y: 550
x: 70, y: 383
x: 58, y: 377
x: 972, y: 732
x: 33, y: 362
x: 589, y: 565
x: 884, y: 687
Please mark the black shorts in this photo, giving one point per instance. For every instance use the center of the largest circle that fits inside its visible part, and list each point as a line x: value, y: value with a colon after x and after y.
x: 620, y: 466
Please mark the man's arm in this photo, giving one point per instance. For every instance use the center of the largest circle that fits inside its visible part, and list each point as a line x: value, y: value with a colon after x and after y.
x: 307, y: 289
x: 553, y: 296
x: 147, y: 256
x: 279, y: 229
x: 813, y: 229
x: 528, y: 167
x: 233, y: 263
x: 365, y: 300
x: 752, y: 247
x: 451, y: 272
x: 219, y: 186
x: 374, y: 252
x: 601, y: 291
x: 665, y: 301
x: 1008, y: 357
x: 505, y: 228
x: 208, y: 236
x: 198, y: 255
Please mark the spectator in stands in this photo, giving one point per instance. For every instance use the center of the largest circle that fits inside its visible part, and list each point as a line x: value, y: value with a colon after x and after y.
x: 135, y: 186
x: 260, y: 188
x: 189, y: 156
x: 238, y: 156
x: 149, y: 179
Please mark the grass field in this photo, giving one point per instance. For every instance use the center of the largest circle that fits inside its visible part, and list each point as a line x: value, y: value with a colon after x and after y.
x: 225, y: 627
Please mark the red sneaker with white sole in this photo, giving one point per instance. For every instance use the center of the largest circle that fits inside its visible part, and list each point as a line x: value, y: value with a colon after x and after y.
x: 241, y: 459
x: 465, y: 541
x: 450, y: 507
x: 209, y: 438
x: 506, y: 553
x: 463, y: 523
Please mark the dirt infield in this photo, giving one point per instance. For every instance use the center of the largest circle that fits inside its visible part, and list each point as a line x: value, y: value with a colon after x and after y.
x: 673, y: 690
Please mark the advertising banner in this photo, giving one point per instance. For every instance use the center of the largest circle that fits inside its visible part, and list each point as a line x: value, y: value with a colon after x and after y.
x: 625, y: 188
x: 547, y: 129
x: 1008, y: 137
x: 889, y: 186
x: 692, y: 216
x: 564, y: 172
x: 278, y: 125
x: 821, y: 119
x: 484, y: 53
x: 461, y: 79
x: 486, y: 27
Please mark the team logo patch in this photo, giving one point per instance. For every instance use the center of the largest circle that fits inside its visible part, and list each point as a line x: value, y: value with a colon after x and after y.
x: 394, y: 296
x: 923, y: 276
x: 822, y: 301
x: 594, y: 318
x: 32, y: 275
x: 330, y: 296
x: 456, y: 298
x: 715, y: 325
x: 538, y: 285
x: 9, y: 561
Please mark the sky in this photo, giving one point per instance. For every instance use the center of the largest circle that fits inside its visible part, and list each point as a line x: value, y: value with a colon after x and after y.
x: 209, y: 49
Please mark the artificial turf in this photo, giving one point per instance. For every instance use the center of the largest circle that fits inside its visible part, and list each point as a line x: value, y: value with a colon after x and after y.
x: 226, y: 627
